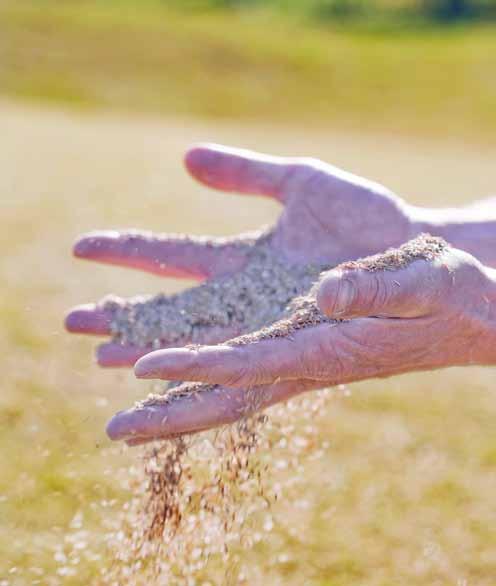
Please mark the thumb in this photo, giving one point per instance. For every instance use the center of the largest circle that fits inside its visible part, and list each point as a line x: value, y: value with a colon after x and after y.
x: 238, y: 170
x: 402, y: 282
x: 346, y: 294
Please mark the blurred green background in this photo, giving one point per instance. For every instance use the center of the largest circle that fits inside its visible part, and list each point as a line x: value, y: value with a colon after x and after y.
x: 422, y: 67
x: 98, y: 101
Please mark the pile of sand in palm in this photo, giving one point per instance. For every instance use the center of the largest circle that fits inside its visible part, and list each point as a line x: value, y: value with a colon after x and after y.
x: 235, y: 304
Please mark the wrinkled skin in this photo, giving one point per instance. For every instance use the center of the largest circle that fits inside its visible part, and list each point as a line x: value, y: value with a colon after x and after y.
x: 329, y: 216
x: 429, y: 315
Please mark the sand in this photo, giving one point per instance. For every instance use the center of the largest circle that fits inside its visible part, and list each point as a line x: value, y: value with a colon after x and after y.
x: 195, y: 498
x: 302, y: 312
x: 423, y: 247
x: 188, y: 510
x: 201, y: 503
x: 235, y: 304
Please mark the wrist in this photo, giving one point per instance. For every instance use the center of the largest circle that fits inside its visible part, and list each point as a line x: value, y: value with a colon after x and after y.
x: 484, y: 349
x: 470, y: 229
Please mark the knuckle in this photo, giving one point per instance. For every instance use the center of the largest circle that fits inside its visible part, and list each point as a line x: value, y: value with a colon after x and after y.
x: 380, y: 293
x: 242, y: 377
x: 333, y: 367
x: 243, y: 371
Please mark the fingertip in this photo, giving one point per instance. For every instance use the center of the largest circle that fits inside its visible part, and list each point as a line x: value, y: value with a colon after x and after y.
x: 200, y: 159
x: 80, y: 247
x: 115, y: 355
x: 151, y: 365
x: 119, y: 427
x: 72, y: 321
x: 111, y: 429
x: 83, y: 245
x: 101, y: 356
x: 138, y: 425
x: 90, y: 244
x: 237, y: 170
x: 141, y: 368
x: 88, y: 319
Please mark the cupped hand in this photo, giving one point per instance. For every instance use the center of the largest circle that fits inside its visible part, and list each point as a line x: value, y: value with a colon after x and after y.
x: 329, y: 216
x: 420, y: 307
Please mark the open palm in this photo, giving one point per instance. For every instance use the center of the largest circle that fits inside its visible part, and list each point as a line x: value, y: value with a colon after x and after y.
x: 329, y: 216
x: 420, y: 307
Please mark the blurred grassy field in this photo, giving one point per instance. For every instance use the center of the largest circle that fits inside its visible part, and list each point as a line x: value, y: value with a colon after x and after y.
x: 250, y: 65
x: 406, y: 494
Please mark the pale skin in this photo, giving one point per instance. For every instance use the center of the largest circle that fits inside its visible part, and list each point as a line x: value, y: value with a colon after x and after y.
x: 329, y: 216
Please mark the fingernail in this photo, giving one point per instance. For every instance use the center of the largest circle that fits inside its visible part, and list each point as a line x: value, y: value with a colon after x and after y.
x: 336, y: 294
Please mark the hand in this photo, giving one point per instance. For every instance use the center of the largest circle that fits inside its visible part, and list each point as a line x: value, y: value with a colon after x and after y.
x: 422, y: 306
x: 329, y: 216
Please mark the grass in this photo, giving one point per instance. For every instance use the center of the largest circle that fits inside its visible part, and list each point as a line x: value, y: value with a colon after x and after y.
x: 405, y: 494
x: 250, y: 65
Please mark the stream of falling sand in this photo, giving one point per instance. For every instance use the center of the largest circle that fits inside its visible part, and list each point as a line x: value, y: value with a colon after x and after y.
x: 199, y: 501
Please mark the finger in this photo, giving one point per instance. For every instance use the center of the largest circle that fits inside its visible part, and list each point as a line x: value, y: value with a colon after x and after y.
x: 240, y: 170
x: 375, y: 287
x: 351, y: 294
x: 115, y: 355
x: 192, y: 412
x: 89, y: 319
x: 118, y: 354
x: 241, y: 366
x: 170, y: 256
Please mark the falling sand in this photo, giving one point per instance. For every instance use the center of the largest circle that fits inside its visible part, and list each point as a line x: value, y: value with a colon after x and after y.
x: 204, y: 499
x: 201, y: 503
